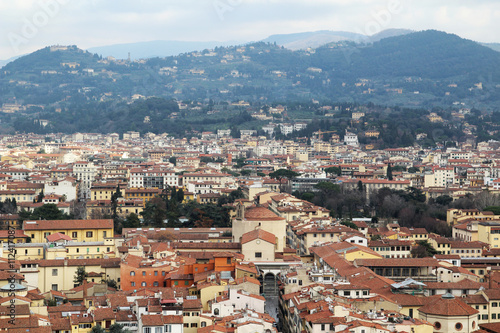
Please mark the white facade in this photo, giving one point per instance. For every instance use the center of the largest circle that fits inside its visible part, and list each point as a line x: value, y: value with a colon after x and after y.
x: 351, y: 139
x: 85, y: 172
x: 64, y: 187
x: 238, y: 300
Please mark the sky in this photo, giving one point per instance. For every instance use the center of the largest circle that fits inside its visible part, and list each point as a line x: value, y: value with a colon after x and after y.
x: 29, y: 25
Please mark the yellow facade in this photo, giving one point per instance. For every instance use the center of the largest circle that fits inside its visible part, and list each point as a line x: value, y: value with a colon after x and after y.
x: 209, y: 293
x: 60, y: 276
x: 353, y: 255
x: 489, y: 233
x: 78, y: 230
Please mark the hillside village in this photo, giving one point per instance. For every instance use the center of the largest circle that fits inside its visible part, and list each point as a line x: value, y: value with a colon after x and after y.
x: 83, y: 251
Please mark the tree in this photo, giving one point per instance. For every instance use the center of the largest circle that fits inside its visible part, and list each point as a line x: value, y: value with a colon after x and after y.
x: 494, y: 209
x: 48, y: 212
x: 40, y: 196
x: 155, y: 212
x: 423, y: 249
x: 80, y: 275
x: 333, y: 171
x: 173, y: 160
x: 111, y: 283
x: 246, y: 172
x: 350, y: 225
x: 97, y: 329
x: 117, y: 328
x: 485, y: 199
x: 132, y: 221
x: 283, y: 174
x: 389, y: 172
x: 180, y: 195
x: 327, y: 187
x: 444, y: 200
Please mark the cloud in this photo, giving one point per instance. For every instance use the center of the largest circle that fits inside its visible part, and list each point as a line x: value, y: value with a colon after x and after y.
x: 88, y: 23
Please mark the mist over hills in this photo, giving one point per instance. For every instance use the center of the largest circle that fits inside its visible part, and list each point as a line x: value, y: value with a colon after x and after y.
x: 304, y: 40
x: 151, y: 49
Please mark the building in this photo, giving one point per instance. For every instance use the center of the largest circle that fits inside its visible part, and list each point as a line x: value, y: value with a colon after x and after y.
x: 78, y: 230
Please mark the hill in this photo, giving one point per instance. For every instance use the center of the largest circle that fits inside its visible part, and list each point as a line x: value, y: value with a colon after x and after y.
x: 423, y: 69
x: 304, y: 40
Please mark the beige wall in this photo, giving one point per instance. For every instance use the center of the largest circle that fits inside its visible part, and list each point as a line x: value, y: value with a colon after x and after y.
x: 266, y: 250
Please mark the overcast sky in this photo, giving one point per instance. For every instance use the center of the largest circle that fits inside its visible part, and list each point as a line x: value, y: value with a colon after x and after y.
x: 28, y: 25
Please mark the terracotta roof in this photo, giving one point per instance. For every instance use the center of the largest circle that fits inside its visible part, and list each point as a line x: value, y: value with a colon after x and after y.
x: 261, y: 213
x: 160, y: 320
x: 258, y: 234
x: 58, y: 236
x: 67, y: 224
x: 442, y: 306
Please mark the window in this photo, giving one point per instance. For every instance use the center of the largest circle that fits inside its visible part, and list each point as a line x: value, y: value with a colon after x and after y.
x: 156, y: 273
x: 186, y: 283
x: 216, y: 311
x: 143, y: 273
x: 194, y: 324
x: 54, y: 272
x: 437, y: 325
x: 147, y: 330
x: 493, y: 316
x: 168, y: 328
x: 228, y: 261
x: 458, y: 326
x: 484, y: 317
x: 155, y: 284
x: 494, y: 304
x: 132, y: 284
x: 104, y: 234
x: 132, y: 273
x: 347, y: 293
x: 54, y: 287
x: 89, y: 234
x: 203, y: 324
x: 144, y: 284
x: 258, y: 254
x: 176, y: 283
x: 322, y: 327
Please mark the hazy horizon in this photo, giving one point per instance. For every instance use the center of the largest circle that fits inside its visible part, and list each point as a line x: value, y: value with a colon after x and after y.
x: 34, y: 24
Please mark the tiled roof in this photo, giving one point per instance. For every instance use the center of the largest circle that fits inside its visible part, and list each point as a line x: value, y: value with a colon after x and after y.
x: 261, y: 213
x: 58, y: 236
x: 160, y: 320
x: 258, y: 234
x: 449, y: 307
x: 67, y: 224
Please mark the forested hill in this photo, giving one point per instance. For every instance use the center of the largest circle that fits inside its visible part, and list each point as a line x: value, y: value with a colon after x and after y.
x: 422, y: 69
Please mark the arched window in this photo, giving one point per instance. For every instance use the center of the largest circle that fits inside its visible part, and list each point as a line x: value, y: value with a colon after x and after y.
x: 216, y: 311
x: 437, y: 325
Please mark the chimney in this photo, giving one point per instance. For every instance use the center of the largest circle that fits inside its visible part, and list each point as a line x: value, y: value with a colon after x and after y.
x: 84, y: 289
